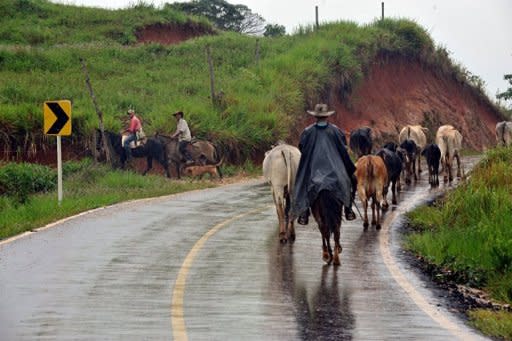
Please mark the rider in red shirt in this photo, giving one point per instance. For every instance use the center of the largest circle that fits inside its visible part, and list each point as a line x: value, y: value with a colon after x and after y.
x: 132, y: 130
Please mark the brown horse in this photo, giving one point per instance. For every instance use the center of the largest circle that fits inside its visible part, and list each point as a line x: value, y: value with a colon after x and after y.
x: 327, y: 212
x: 202, y: 152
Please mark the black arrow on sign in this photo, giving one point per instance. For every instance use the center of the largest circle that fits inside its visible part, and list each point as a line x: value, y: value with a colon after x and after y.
x: 62, y: 118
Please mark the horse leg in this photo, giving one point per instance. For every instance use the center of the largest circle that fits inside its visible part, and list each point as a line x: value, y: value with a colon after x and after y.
x: 165, y: 165
x: 337, y: 245
x: 178, y: 170
x: 327, y: 242
x: 149, y: 164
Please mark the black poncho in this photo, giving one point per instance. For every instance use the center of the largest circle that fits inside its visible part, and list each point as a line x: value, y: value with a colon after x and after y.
x: 324, y: 165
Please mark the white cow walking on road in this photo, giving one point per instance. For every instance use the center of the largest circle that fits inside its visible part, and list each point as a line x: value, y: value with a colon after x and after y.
x: 280, y: 169
x: 417, y: 134
x: 449, y: 141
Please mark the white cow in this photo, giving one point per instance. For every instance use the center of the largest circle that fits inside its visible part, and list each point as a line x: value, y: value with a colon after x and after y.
x: 279, y: 169
x: 417, y: 134
x: 449, y: 141
x: 504, y: 133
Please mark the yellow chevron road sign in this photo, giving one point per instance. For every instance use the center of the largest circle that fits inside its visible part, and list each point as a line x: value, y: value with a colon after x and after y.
x: 57, y: 117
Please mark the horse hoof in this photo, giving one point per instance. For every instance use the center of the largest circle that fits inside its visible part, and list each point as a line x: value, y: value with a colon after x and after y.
x: 326, y: 258
x: 283, y: 240
x: 336, y: 261
x: 365, y: 224
x: 378, y: 227
x: 292, y: 238
x: 374, y: 222
x: 394, y: 202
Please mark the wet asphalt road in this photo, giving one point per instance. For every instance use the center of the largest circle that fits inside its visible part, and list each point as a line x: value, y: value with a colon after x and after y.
x: 208, y: 265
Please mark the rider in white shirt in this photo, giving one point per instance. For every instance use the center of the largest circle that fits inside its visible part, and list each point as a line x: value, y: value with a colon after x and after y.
x: 184, y: 136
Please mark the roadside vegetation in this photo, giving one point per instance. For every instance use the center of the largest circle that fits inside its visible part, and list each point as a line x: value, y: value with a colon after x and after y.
x: 467, y: 237
x: 86, y: 185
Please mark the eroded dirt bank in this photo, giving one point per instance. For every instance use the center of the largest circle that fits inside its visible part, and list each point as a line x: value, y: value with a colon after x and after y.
x: 397, y: 92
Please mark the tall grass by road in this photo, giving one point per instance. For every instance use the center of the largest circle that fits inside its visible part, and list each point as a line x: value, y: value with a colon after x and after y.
x: 470, y: 232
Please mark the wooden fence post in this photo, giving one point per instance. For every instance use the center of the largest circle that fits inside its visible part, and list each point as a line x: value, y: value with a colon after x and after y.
x: 100, y: 115
x: 212, y: 76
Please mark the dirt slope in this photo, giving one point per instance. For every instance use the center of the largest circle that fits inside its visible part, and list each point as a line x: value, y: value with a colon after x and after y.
x: 399, y: 92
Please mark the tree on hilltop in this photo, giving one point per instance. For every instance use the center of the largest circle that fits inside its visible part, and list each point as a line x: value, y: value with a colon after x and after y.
x: 274, y: 30
x: 223, y: 15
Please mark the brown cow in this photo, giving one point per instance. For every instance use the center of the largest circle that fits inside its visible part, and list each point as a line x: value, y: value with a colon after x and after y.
x: 372, y: 176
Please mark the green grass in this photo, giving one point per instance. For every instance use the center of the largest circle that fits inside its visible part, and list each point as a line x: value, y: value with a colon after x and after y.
x: 469, y: 231
x: 90, y: 186
x: 492, y: 323
x: 261, y: 99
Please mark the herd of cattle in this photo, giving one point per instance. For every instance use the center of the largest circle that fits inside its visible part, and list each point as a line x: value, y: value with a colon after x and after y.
x: 375, y: 172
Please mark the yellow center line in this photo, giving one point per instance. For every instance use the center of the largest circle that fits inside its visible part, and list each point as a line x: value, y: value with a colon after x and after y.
x: 177, y: 316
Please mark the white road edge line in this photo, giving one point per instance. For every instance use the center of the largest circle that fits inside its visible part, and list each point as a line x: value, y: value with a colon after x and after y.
x: 408, y: 287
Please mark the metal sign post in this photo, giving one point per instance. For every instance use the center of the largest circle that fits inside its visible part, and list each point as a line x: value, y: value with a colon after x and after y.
x: 59, y: 170
x: 57, y: 121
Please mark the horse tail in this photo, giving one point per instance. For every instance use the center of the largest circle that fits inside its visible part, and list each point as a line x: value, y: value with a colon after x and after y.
x: 330, y: 209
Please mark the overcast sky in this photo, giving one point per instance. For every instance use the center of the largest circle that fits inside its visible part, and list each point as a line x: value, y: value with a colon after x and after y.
x: 476, y: 32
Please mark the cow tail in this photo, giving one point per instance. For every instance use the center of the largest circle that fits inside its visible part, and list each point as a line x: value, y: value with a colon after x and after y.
x: 369, y: 169
x: 408, y: 132
x: 287, y: 161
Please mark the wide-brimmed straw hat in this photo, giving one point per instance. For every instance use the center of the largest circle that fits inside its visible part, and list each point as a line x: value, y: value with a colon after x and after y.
x: 178, y: 113
x: 321, y: 111
x: 130, y: 111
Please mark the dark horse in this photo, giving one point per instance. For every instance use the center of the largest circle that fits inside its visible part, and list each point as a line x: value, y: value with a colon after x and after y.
x: 152, y: 149
x: 327, y: 212
x: 202, y: 152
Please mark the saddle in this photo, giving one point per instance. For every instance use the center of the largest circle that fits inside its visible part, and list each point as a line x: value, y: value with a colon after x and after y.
x: 139, y: 142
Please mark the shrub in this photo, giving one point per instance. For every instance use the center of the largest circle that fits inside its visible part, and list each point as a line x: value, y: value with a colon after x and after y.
x: 21, y: 179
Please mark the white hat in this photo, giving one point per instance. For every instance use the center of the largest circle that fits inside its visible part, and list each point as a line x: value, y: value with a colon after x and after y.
x: 321, y: 111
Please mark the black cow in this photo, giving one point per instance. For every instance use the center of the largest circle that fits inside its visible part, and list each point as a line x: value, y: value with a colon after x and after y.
x: 361, y: 141
x: 432, y: 154
x: 409, y: 149
x: 391, y: 146
x: 394, y: 167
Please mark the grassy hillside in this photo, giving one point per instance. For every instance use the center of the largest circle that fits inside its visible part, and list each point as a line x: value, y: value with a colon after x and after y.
x: 41, y: 45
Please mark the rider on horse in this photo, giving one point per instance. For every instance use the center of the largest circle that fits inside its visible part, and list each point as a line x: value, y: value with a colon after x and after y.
x: 184, y: 136
x: 132, y: 130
